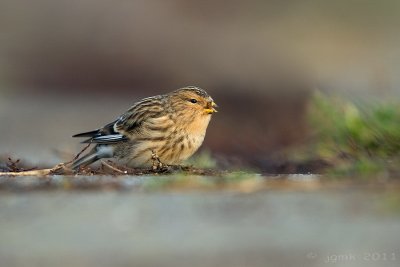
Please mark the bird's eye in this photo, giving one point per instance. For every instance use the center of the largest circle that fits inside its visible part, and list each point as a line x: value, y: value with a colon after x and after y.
x: 194, y: 101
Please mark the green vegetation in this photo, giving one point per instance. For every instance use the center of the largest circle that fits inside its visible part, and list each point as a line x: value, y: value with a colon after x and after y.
x: 356, y: 139
x: 203, y: 159
x: 239, y: 181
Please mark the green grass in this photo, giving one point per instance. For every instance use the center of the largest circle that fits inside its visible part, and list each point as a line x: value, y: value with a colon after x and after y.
x: 356, y: 139
x: 203, y: 159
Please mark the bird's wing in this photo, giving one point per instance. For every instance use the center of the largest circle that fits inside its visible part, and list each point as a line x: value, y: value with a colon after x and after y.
x: 105, y: 135
x: 127, y: 124
x: 106, y: 139
x: 131, y: 121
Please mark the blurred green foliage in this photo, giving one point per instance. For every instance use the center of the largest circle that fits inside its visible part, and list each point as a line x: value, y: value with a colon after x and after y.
x: 203, y: 159
x: 241, y: 181
x: 356, y: 139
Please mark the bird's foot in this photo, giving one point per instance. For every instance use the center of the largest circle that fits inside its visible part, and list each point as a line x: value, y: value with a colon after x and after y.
x: 157, y: 164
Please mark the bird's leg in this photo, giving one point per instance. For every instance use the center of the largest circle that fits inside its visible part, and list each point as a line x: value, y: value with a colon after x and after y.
x: 157, y: 164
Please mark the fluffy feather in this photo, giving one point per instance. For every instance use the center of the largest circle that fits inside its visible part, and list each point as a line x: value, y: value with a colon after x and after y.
x: 172, y: 125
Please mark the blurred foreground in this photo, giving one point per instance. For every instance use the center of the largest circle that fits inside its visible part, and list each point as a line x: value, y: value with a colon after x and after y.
x: 341, y: 227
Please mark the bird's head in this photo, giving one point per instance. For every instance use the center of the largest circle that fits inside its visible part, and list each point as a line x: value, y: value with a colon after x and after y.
x: 193, y: 100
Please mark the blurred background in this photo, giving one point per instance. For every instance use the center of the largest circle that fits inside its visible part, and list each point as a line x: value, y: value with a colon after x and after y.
x: 71, y: 66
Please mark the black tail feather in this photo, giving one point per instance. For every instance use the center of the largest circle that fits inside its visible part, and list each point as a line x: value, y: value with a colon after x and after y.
x: 85, y: 160
x: 87, y: 134
x: 98, y: 152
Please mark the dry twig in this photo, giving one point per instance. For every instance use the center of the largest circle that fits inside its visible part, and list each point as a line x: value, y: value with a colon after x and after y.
x: 58, y: 169
x: 113, y: 168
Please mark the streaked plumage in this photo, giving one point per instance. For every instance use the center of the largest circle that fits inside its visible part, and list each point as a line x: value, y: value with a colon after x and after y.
x: 172, y: 126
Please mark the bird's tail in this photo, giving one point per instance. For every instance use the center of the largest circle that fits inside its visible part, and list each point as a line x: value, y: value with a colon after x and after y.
x: 98, y: 152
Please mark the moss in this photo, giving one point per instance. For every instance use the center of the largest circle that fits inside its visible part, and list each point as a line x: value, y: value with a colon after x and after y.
x: 356, y: 139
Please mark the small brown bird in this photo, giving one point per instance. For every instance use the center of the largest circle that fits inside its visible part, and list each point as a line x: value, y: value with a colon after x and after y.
x: 170, y: 127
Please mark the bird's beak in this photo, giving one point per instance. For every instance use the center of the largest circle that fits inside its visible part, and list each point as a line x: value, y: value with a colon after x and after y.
x: 210, y: 109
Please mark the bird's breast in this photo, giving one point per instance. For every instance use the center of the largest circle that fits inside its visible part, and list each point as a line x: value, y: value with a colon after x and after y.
x: 172, y: 141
